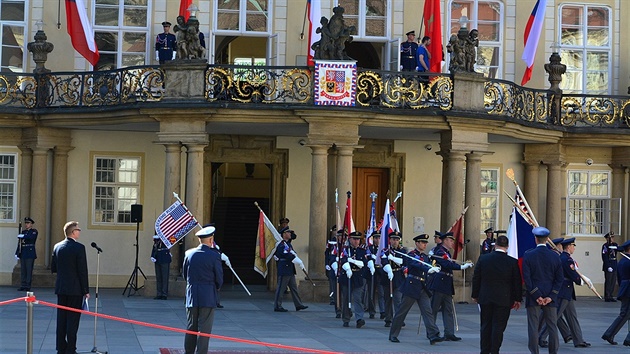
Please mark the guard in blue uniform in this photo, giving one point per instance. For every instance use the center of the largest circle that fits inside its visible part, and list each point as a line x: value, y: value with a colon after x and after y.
x: 25, y: 252
x: 414, y: 290
x: 161, y: 258
x: 332, y: 266
x: 393, y: 266
x: 487, y: 246
x: 353, y: 262
x: 441, y: 283
x: 408, y: 52
x: 286, y: 261
x: 375, y: 282
x: 542, y: 275
x: 609, y: 266
x: 567, y: 292
x: 165, y: 44
x: 623, y: 278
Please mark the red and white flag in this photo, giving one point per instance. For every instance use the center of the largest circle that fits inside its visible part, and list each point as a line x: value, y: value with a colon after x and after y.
x: 174, y: 223
x: 183, y: 8
x: 80, y: 31
x: 266, y: 241
x: 314, y: 16
x: 457, y: 230
x: 532, y: 36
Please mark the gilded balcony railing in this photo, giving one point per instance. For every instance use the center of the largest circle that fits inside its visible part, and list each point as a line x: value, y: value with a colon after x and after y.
x: 595, y: 111
x: 507, y: 99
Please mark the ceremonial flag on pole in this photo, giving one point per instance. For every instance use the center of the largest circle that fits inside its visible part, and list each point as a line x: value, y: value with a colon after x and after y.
x: 532, y: 36
x: 519, y: 236
x: 314, y: 15
x: 348, y: 223
x: 372, y: 225
x: 433, y: 29
x: 183, y: 8
x: 386, y: 229
x: 266, y: 241
x: 80, y: 31
x: 457, y: 229
x: 393, y: 220
x: 174, y: 223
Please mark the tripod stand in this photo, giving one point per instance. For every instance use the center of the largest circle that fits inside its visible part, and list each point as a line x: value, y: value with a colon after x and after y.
x: 132, y: 284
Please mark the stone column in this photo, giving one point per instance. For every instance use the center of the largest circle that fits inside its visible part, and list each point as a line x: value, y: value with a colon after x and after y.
x: 318, y: 214
x: 194, y: 186
x: 24, y: 208
x: 554, y: 199
x: 173, y: 172
x: 532, y: 169
x: 452, y: 187
x: 472, y: 221
x: 59, y: 194
x: 344, y: 175
x: 39, y: 191
x: 618, y: 184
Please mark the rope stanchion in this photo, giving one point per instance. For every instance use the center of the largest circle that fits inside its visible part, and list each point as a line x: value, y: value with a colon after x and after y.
x: 156, y: 326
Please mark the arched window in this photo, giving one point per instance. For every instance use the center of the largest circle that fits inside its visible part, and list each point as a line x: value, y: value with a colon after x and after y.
x: 12, y: 32
x: 487, y: 16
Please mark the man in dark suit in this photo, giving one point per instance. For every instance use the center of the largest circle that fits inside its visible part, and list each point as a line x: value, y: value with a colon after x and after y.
x: 542, y: 275
x: 623, y: 279
x: 204, y: 277
x: 496, y: 288
x: 286, y: 261
x: 70, y: 263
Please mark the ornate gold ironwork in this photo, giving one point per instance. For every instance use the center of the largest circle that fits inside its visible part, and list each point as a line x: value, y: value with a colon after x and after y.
x: 508, y: 99
x: 18, y: 91
x: 582, y: 110
x: 403, y: 90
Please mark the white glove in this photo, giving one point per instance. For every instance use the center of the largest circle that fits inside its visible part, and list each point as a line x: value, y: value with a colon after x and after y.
x: 225, y: 259
x: 612, y: 247
x: 401, y: 67
x: 157, y: 55
x: 371, y: 267
x: 328, y: 267
x: 293, y: 253
x: 299, y: 262
x: 388, y: 269
x: 610, y: 269
x: 17, y: 258
x: 20, y: 235
x: 357, y: 263
x: 397, y: 260
x: 434, y: 270
x: 430, y: 252
x: 153, y: 260
x: 334, y: 267
x: 346, y: 267
x: 174, y: 55
x: 373, y: 256
x: 466, y: 265
x: 587, y: 280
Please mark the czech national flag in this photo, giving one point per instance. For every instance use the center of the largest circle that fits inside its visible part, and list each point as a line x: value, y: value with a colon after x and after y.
x: 80, y: 31
x: 532, y: 36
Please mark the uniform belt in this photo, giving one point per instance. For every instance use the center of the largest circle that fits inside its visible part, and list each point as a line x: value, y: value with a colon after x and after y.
x: 408, y: 56
x: 415, y: 277
x: 166, y: 48
x: 448, y: 274
x: 356, y: 270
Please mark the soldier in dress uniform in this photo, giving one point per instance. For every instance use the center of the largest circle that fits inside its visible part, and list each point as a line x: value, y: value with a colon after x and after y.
x: 354, y: 262
x: 408, y: 52
x: 286, y: 261
x: 25, y: 252
x: 542, y: 275
x: 414, y: 290
x: 161, y: 258
x: 165, y: 44
x: 487, y: 246
x: 375, y: 283
x: 392, y: 265
x: 332, y: 266
x: 284, y: 222
x: 609, y: 266
x: 623, y: 274
x: 437, y: 240
x: 441, y: 284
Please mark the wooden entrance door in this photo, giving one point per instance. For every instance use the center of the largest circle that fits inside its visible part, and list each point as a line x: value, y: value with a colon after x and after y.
x: 366, y: 180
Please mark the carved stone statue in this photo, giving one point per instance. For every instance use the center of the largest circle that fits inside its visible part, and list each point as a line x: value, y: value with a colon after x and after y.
x: 334, y: 36
x: 463, y: 49
x: 188, y: 43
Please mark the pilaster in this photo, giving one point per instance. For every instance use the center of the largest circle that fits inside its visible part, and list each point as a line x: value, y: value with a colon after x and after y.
x: 25, y: 182
x: 317, y: 219
x: 39, y: 193
x: 59, y: 193
x: 531, y: 190
x: 194, y: 185
x: 472, y: 223
x: 554, y: 198
x: 453, y: 164
x: 617, y: 191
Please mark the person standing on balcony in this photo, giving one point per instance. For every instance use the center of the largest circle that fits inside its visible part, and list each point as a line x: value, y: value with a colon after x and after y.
x: 423, y: 57
x: 408, y: 51
x: 609, y: 266
x: 26, y: 254
x: 165, y: 44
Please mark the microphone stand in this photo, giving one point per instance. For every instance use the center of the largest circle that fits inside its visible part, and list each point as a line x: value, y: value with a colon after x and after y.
x: 464, y: 275
x: 98, y: 266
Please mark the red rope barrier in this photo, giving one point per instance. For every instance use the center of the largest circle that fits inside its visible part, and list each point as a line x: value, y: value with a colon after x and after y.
x: 8, y: 302
x: 151, y: 325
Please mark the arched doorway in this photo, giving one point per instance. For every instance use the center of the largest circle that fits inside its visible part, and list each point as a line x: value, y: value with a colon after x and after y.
x: 366, y: 54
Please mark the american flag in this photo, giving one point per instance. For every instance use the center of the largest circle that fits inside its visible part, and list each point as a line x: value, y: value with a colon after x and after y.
x: 174, y: 223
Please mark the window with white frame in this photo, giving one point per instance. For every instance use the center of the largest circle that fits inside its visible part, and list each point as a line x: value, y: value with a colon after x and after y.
x: 12, y: 24
x: 586, y: 48
x: 8, y: 187
x: 489, y: 197
x: 116, y: 186
x: 488, y: 18
x: 369, y: 17
x: 121, y: 32
x: 243, y: 16
x: 589, y: 206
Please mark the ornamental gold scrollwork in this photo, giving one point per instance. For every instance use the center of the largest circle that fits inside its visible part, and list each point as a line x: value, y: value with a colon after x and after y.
x: 297, y: 84
x: 18, y: 89
x: 218, y: 82
x: 369, y: 88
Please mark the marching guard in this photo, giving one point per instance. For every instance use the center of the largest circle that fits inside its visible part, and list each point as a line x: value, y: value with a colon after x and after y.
x: 624, y: 295
x: 392, y: 265
x: 330, y: 258
x: 375, y: 286
x: 353, y: 261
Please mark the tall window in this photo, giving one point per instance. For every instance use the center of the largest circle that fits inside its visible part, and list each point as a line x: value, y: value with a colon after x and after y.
x: 121, y: 31
x: 590, y: 210
x: 8, y: 187
x: 489, y: 197
x: 12, y: 24
x: 585, y: 43
x: 243, y: 16
x: 487, y: 17
x: 369, y: 17
x: 116, y: 186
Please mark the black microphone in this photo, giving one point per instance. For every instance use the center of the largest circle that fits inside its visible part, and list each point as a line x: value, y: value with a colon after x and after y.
x: 97, y: 248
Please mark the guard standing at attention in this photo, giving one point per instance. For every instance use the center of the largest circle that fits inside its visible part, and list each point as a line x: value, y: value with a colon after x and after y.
x: 408, y: 52
x: 609, y: 266
x: 487, y: 246
x: 161, y: 258
x: 165, y: 44
x: 25, y: 252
